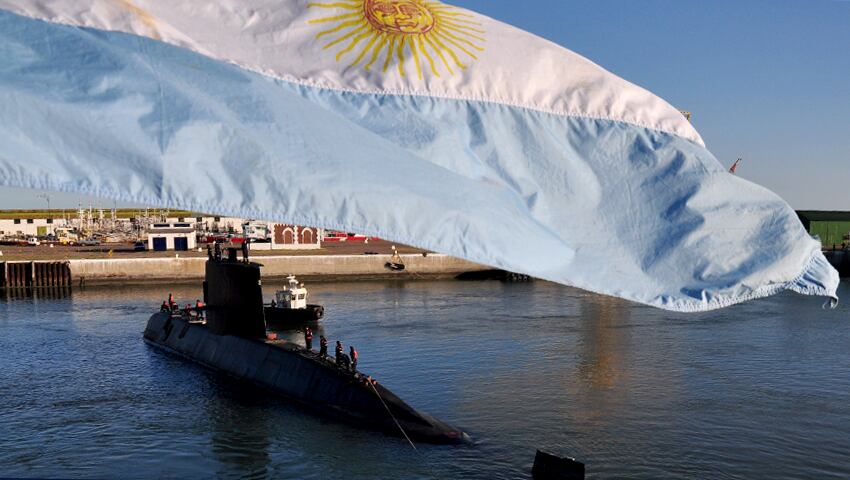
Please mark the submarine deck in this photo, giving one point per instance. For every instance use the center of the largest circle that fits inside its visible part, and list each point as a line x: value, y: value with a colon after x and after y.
x: 290, y: 370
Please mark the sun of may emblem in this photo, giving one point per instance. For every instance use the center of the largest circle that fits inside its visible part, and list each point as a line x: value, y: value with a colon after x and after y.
x: 378, y: 33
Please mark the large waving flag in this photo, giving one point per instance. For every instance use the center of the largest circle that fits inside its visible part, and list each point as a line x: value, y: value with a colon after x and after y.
x: 409, y: 119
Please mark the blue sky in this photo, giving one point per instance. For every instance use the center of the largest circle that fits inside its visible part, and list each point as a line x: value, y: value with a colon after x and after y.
x: 767, y: 80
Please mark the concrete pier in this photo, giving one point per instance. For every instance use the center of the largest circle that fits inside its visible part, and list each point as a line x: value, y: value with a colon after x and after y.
x: 306, y: 267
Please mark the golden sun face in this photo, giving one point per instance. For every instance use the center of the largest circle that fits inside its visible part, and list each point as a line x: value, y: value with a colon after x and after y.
x: 437, y: 37
x: 398, y: 17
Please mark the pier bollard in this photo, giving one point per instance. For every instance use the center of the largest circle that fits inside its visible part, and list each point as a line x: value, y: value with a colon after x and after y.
x: 551, y: 467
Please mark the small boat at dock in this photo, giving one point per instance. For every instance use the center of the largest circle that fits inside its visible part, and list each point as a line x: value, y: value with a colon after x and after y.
x: 396, y: 264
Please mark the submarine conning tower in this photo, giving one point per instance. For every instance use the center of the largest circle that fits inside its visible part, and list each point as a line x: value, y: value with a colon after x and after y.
x: 233, y: 294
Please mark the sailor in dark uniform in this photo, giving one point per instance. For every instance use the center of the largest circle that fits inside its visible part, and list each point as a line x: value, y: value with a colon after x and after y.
x: 338, y: 352
x: 308, y: 338
x: 323, y: 346
x: 353, y: 353
x: 199, y: 308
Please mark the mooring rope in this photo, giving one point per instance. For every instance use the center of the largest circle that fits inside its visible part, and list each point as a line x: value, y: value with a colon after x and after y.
x: 391, y: 414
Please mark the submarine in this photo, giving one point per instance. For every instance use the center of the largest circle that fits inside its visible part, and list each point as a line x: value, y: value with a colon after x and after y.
x: 232, y: 339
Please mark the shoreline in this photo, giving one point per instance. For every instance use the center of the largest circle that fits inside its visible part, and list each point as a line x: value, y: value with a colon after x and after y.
x: 43, y: 267
x: 324, y: 268
x: 271, y: 280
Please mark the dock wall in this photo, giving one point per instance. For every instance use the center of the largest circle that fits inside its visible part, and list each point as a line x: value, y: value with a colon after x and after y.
x: 97, y: 271
x: 32, y: 274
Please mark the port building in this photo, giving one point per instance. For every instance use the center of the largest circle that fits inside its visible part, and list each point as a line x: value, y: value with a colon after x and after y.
x: 89, y: 221
x: 295, y: 236
x: 832, y: 227
x: 291, y: 237
x: 27, y: 226
x: 171, y: 236
x: 160, y: 229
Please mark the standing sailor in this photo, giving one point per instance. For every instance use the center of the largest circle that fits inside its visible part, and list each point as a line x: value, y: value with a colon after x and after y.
x: 323, y: 346
x: 308, y: 338
x: 353, y: 352
x: 338, y: 352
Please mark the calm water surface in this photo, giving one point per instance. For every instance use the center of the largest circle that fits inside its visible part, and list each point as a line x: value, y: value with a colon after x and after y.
x: 760, y: 390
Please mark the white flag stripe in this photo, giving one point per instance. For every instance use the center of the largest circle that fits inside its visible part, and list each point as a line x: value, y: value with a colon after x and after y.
x: 276, y: 38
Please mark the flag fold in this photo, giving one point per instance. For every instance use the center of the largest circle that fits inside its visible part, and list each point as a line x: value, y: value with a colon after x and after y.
x: 412, y: 120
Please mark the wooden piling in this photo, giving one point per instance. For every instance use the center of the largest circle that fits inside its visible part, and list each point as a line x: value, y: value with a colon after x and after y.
x: 17, y: 275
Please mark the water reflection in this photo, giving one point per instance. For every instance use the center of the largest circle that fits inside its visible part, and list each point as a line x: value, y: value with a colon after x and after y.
x: 603, y: 345
x: 241, y: 434
x: 43, y: 293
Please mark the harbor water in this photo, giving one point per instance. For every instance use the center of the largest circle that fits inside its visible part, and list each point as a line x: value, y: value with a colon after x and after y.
x: 759, y: 390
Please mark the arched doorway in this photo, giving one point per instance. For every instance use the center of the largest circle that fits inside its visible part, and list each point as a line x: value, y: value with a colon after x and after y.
x: 306, y: 236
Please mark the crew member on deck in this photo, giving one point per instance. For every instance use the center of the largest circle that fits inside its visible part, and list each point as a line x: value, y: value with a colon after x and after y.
x: 308, y: 338
x: 323, y: 346
x: 338, y: 352
x: 199, y: 308
x: 164, y: 307
x: 171, y: 303
x: 353, y: 352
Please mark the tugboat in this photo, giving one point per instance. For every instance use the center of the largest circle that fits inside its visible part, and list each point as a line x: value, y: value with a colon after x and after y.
x: 229, y: 336
x: 290, y: 306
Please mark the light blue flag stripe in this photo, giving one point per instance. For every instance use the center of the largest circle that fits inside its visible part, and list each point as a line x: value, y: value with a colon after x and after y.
x: 598, y: 204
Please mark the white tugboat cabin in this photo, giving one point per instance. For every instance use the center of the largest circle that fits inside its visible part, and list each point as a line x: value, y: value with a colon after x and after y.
x: 290, y: 305
x: 293, y: 296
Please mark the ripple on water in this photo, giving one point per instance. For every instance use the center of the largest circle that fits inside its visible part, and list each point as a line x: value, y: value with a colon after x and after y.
x: 759, y: 390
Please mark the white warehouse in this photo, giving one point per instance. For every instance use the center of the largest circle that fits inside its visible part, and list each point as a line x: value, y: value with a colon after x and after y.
x: 171, y: 236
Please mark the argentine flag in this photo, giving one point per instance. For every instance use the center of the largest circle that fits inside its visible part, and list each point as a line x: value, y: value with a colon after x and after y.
x: 412, y: 120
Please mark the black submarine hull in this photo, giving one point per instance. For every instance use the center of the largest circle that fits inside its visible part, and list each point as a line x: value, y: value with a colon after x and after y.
x: 298, y: 374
